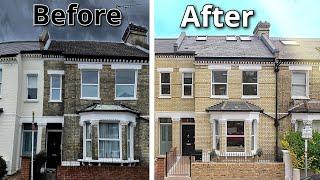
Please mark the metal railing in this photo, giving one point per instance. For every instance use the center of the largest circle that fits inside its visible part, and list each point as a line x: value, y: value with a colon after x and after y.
x: 235, y: 157
x: 177, y: 165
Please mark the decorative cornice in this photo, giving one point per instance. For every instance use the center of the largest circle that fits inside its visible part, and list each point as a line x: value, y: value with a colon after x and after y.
x: 8, y: 59
x: 188, y: 57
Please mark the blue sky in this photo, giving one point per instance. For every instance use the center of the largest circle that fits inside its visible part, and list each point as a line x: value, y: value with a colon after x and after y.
x: 288, y: 18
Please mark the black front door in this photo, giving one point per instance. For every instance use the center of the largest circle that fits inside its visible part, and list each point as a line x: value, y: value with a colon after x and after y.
x: 53, y: 149
x: 187, y: 140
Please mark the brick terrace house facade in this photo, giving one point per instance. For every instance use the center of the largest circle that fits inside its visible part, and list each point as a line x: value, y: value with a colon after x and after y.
x: 218, y: 93
x: 90, y: 101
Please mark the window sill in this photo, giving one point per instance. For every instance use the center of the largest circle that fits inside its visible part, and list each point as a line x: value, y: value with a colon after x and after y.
x: 187, y: 97
x: 90, y: 98
x: 107, y: 160
x: 31, y: 101
x: 125, y: 99
x: 164, y: 97
x: 219, y: 97
x: 300, y: 98
x: 55, y: 101
x: 250, y: 97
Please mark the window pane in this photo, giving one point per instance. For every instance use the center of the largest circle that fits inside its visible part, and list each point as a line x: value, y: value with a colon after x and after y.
x: 125, y: 76
x: 187, y: 90
x: 89, y: 90
x: 220, y: 76
x: 249, y: 77
x: 55, y: 80
x: 235, y: 144
x: 250, y: 89
x: 299, y: 78
x: 298, y: 90
x: 26, y: 144
x: 88, y: 149
x: 166, y: 138
x: 187, y: 78
x: 109, y: 130
x: 32, y: 93
x: 219, y: 89
x: 235, y: 128
x: 88, y: 131
x: 124, y: 90
x: 90, y: 77
x: 165, y: 89
x: 32, y: 80
x: 109, y: 149
x: 165, y: 77
x: 55, y: 94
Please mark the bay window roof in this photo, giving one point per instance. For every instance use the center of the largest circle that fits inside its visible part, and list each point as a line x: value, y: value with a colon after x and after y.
x: 234, y: 106
x: 306, y: 107
x: 108, y: 108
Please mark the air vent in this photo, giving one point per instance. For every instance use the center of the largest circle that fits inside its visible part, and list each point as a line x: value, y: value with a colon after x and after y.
x: 290, y: 43
x: 245, y: 38
x: 201, y: 38
x: 231, y: 38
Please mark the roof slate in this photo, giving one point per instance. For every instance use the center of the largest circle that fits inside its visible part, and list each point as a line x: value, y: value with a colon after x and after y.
x: 108, y: 107
x: 306, y: 107
x: 7, y: 48
x: 306, y: 50
x: 164, y: 45
x: 235, y: 106
x: 96, y: 48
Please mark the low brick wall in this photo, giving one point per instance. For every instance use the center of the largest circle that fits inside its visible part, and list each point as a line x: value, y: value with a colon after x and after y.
x: 102, y: 172
x: 270, y: 171
x: 159, y: 171
x: 25, y: 168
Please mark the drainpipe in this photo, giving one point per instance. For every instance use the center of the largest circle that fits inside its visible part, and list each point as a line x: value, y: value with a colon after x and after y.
x: 276, y: 120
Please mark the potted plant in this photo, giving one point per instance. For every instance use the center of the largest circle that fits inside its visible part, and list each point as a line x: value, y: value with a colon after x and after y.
x: 39, y: 162
x: 3, y: 167
x: 212, y: 155
x: 259, y: 152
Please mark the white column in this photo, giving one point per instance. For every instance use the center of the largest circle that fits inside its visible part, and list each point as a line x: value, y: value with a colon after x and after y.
x: 287, y: 165
x: 132, y: 125
x: 41, y: 128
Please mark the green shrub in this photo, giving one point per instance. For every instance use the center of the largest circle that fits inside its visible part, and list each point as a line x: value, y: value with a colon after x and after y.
x: 294, y: 142
x: 3, y: 167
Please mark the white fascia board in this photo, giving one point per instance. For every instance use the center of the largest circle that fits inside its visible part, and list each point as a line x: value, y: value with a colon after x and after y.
x: 126, y: 66
x: 219, y: 67
x: 305, y: 117
x: 90, y: 66
x: 121, y: 117
x: 186, y: 70
x: 61, y: 72
x: 250, y: 67
x: 165, y: 69
x: 231, y: 116
x: 300, y: 68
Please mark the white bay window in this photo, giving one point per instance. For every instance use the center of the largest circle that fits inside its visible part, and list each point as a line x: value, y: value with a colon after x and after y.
x: 109, y: 140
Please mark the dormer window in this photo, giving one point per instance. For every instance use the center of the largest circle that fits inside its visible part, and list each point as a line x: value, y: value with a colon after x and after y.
x: 201, y: 38
x: 231, y: 38
x: 290, y: 43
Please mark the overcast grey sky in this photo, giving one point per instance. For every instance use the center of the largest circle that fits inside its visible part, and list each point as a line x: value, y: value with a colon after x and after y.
x: 16, y: 20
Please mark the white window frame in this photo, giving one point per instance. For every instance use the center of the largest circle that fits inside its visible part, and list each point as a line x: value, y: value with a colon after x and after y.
x: 307, y: 84
x: 27, y: 87
x: 98, y: 95
x: 183, y: 85
x: 160, y: 87
x: 51, y: 88
x: 214, y: 83
x: 22, y: 138
x: 244, y: 136
x: 135, y: 86
x: 257, y: 83
x: 216, y: 135
x: 87, y: 140
x: 254, y: 135
x: 110, y: 139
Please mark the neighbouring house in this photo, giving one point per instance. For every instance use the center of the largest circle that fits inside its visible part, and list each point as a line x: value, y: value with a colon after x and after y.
x: 90, y: 101
x: 217, y: 94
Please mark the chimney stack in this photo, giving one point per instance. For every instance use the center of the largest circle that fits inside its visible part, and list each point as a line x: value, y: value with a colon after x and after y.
x: 262, y: 28
x: 136, y: 35
x: 43, y: 38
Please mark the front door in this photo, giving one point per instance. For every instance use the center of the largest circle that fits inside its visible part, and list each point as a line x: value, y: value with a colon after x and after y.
x: 53, y: 149
x: 188, y: 139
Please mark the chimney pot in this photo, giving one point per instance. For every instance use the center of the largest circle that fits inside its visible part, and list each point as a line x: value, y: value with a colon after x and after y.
x: 262, y: 28
x: 136, y: 35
